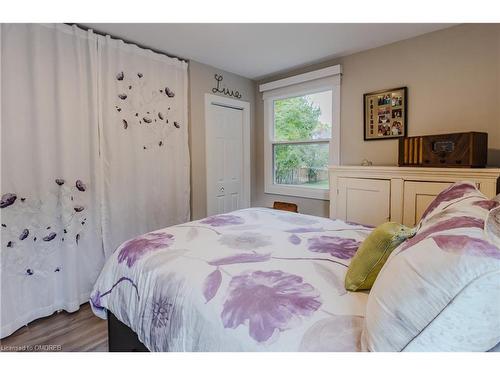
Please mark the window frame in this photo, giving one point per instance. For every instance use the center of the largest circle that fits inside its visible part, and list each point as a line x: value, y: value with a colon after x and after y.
x: 331, y: 82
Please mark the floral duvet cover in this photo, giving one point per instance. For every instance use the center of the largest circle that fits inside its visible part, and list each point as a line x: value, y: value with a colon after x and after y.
x: 252, y: 280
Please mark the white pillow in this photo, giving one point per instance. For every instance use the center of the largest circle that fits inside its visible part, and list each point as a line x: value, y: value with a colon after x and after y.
x: 492, y: 226
x: 440, y: 290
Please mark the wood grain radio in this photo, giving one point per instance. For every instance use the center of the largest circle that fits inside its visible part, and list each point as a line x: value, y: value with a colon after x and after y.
x: 468, y: 150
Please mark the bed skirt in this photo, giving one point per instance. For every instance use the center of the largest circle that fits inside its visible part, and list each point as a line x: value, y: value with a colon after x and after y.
x: 121, y: 338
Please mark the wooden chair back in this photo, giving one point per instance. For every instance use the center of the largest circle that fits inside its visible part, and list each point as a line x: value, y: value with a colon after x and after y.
x: 285, y: 206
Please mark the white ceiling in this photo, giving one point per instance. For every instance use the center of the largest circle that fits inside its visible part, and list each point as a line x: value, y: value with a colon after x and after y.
x: 259, y: 50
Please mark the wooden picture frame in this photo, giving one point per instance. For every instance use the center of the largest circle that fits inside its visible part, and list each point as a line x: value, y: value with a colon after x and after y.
x: 385, y: 114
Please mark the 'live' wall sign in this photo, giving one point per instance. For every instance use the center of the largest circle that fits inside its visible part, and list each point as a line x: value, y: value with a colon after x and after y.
x: 224, y: 90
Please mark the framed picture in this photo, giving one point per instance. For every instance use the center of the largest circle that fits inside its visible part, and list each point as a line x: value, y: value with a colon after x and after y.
x: 385, y: 114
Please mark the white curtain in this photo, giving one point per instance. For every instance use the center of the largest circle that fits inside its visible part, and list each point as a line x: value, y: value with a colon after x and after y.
x: 94, y: 151
x: 51, y: 242
x: 144, y: 138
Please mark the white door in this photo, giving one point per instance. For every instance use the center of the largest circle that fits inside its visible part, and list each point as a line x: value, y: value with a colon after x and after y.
x: 364, y: 201
x: 225, y: 158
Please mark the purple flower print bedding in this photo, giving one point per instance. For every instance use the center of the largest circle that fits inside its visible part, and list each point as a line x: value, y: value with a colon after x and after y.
x: 251, y: 280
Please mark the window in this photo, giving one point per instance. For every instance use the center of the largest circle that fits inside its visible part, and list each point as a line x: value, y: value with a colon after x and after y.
x: 302, y: 131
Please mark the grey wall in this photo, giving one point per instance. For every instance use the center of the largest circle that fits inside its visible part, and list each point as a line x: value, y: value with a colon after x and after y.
x: 201, y: 81
x: 453, y: 79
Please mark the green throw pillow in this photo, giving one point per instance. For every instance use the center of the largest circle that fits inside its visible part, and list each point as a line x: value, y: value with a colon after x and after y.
x: 373, y: 253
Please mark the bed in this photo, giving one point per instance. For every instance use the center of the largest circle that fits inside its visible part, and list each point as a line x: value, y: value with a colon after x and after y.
x: 251, y: 280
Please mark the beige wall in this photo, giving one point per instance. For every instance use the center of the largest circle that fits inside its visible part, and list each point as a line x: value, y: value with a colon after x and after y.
x: 201, y: 81
x: 453, y: 79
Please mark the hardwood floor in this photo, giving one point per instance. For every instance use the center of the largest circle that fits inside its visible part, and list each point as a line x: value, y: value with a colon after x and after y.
x: 80, y: 331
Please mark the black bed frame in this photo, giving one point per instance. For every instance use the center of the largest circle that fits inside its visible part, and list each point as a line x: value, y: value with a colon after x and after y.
x: 121, y: 338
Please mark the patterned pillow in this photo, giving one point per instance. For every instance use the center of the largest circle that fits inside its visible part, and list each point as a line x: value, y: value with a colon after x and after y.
x: 373, y: 253
x: 440, y: 290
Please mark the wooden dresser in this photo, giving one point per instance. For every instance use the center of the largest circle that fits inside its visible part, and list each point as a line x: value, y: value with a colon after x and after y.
x: 373, y: 195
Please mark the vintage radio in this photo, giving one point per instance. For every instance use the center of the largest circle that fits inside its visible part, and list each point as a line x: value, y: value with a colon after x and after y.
x: 444, y: 150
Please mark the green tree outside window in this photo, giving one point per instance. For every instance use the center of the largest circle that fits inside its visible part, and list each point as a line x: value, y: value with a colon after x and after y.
x: 298, y: 119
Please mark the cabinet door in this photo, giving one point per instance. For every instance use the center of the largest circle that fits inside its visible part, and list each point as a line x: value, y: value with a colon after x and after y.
x: 417, y: 197
x: 363, y: 201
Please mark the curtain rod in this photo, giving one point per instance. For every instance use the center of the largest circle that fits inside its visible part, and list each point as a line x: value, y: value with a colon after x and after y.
x: 128, y: 41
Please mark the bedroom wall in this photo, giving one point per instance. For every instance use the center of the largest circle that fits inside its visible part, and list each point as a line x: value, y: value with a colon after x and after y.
x: 453, y: 79
x: 201, y: 81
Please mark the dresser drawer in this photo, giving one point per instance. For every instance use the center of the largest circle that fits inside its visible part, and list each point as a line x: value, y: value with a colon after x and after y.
x: 373, y: 195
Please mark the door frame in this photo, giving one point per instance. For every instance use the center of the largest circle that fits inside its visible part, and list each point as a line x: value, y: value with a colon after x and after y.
x: 210, y: 100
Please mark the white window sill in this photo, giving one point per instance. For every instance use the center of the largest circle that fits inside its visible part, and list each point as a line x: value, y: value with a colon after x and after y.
x: 296, y: 191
